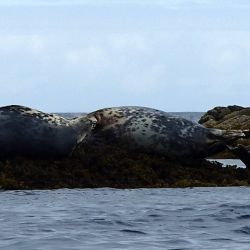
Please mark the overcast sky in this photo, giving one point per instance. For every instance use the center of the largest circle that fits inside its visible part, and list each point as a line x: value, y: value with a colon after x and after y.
x: 174, y: 55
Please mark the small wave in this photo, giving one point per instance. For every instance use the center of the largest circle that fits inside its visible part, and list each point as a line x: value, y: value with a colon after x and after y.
x: 154, y: 215
x: 186, y: 209
x: 47, y: 230
x: 240, y: 206
x: 198, y: 220
x: 221, y: 239
x: 225, y: 205
x: 119, y: 222
x: 243, y: 230
x: 225, y: 219
x: 101, y: 221
x: 23, y: 192
x: 132, y: 231
x: 244, y: 216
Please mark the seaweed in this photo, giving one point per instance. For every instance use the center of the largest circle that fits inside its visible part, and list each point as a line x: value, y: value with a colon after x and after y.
x: 115, y: 166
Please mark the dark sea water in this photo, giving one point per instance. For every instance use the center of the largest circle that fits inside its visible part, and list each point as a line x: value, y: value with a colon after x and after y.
x: 197, y: 218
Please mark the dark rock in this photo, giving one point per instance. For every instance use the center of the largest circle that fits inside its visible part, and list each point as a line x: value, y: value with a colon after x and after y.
x: 114, y: 166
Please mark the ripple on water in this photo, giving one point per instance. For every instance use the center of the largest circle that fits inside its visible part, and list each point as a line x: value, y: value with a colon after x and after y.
x: 243, y: 230
x: 95, y: 219
x: 123, y: 223
x: 132, y: 231
x: 243, y: 217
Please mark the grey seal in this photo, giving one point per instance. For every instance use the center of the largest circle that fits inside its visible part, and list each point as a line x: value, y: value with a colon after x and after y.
x: 29, y: 132
x: 158, y: 132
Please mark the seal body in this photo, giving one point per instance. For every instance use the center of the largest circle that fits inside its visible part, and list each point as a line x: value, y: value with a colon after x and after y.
x: 29, y: 132
x: 158, y: 132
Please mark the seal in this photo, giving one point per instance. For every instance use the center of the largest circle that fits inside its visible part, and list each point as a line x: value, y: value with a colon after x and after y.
x: 158, y: 132
x: 29, y: 132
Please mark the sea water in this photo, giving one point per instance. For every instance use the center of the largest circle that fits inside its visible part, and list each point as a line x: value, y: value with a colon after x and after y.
x: 97, y: 219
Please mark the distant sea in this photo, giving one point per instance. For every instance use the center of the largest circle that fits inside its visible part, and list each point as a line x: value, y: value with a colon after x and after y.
x: 193, y: 116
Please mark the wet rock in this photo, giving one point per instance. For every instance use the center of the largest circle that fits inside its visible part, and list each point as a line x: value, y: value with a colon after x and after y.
x: 114, y: 166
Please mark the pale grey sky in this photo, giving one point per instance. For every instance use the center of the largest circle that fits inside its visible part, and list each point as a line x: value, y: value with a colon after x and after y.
x: 174, y: 55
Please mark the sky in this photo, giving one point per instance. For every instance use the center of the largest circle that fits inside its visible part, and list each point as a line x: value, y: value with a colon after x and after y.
x: 79, y: 56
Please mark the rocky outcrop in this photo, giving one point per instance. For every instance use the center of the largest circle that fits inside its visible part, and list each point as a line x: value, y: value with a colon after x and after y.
x: 229, y: 118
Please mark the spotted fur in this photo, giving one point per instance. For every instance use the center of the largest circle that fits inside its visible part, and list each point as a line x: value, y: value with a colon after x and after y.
x: 158, y: 131
x: 29, y: 132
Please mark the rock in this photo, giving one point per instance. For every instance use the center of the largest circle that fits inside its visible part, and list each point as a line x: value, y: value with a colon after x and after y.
x: 114, y: 166
x: 231, y: 117
x: 228, y: 118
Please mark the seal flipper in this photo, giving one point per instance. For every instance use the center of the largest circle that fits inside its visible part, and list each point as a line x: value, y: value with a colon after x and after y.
x: 83, y: 127
x: 218, y: 139
x: 227, y: 135
x: 242, y: 152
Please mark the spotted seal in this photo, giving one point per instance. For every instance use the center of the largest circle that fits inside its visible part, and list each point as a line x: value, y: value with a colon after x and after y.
x: 29, y: 132
x: 159, y: 132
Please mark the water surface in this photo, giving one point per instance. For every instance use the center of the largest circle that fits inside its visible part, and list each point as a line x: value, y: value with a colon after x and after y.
x: 232, y: 162
x: 197, y: 218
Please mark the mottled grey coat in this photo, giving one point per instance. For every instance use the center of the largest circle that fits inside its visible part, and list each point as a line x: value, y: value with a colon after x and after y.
x: 28, y: 132
x: 159, y: 132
